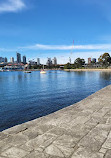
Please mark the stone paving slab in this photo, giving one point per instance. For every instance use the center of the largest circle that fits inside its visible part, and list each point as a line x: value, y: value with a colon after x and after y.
x: 82, y: 130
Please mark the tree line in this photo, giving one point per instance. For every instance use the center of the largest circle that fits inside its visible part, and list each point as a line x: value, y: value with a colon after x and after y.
x: 103, y: 61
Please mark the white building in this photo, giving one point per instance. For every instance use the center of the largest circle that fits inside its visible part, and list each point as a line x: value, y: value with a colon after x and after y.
x: 12, y: 60
x: 38, y: 61
x: 54, y: 61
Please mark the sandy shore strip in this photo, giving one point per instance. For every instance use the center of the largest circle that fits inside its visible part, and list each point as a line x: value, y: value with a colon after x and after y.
x: 105, y: 70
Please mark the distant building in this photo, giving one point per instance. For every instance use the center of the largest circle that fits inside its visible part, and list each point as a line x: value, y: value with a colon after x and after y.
x: 94, y: 65
x: 24, y: 59
x: 14, y: 66
x: 89, y: 60
x: 49, y: 62
x: 38, y: 61
x: 18, y: 58
x: 6, y: 60
x: 2, y: 59
x: 94, y: 60
x: 32, y: 63
x: 54, y: 61
x: 12, y: 60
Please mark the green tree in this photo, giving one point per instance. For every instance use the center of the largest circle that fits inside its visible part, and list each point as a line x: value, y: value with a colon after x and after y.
x: 105, y: 59
x: 79, y: 62
x: 67, y: 66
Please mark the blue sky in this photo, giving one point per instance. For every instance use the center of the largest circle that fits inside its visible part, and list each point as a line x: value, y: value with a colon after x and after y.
x: 47, y: 28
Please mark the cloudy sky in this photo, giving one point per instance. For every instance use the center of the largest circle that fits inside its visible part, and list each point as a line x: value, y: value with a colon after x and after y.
x: 47, y: 28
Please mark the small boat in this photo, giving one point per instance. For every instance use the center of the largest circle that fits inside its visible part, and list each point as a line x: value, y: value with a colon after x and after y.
x: 27, y: 71
x: 43, y: 71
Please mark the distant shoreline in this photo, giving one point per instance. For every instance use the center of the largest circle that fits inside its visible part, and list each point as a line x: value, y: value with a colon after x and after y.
x: 71, y: 70
x: 32, y: 70
x: 68, y: 70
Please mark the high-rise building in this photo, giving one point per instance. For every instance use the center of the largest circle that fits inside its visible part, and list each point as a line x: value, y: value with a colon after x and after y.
x: 12, y: 60
x: 2, y: 59
x: 24, y: 59
x: 6, y: 60
x: 49, y: 62
x: 18, y: 58
x: 89, y: 60
x: 38, y: 61
x: 54, y: 61
x: 94, y: 60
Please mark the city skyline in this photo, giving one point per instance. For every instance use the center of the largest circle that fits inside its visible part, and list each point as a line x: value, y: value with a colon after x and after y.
x: 23, y: 59
x: 37, y: 61
x: 62, y: 58
x: 41, y: 29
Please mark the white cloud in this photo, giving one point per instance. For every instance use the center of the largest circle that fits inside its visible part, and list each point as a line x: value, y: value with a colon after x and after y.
x: 83, y: 48
x: 68, y: 47
x: 11, y: 6
x: 47, y: 47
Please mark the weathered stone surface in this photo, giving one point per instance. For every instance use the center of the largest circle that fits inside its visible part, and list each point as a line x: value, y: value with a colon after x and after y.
x: 82, y: 130
x: 36, y: 154
x: 14, y: 140
x: 103, y: 150
x: 15, y: 129
x: 54, y: 151
x: 14, y: 153
x: 41, y: 140
x: 86, y: 153
x: 107, y: 143
x: 59, y: 150
x: 108, y: 154
x: 65, y: 140
x: 96, y: 137
x: 3, y: 136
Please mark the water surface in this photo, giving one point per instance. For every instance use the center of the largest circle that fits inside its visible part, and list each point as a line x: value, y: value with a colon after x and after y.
x: 24, y: 97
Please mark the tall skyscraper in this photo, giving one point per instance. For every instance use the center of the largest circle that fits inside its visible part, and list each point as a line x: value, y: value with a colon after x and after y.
x: 2, y: 59
x: 18, y: 58
x: 24, y: 59
x: 12, y: 60
x: 38, y: 61
x: 6, y: 60
x: 54, y: 61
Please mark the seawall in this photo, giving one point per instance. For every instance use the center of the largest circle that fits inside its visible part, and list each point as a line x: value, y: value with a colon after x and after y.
x: 82, y: 130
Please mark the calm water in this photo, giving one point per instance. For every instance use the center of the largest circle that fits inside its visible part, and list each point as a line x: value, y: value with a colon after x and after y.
x: 24, y: 97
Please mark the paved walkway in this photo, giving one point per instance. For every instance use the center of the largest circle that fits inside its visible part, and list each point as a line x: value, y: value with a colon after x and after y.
x: 82, y: 130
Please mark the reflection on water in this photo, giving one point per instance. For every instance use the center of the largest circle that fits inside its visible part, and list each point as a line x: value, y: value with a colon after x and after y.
x: 24, y: 97
x: 80, y: 73
x: 105, y: 75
